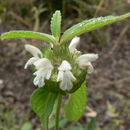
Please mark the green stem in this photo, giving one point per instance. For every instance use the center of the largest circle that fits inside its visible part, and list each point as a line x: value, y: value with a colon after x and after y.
x: 45, y: 125
x: 58, y: 112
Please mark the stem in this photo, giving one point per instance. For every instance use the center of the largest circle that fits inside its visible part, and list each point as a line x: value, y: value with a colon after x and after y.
x: 45, y: 125
x: 58, y: 111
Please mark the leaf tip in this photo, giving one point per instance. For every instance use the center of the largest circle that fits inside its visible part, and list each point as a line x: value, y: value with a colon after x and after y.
x: 1, y: 37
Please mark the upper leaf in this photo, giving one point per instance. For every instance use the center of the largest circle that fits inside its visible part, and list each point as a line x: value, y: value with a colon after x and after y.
x: 88, y: 25
x: 76, y: 104
x: 42, y: 102
x: 56, y: 24
x: 27, y: 34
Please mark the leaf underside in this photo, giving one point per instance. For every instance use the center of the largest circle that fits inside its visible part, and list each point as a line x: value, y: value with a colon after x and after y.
x: 88, y: 25
x: 76, y: 104
x: 27, y: 34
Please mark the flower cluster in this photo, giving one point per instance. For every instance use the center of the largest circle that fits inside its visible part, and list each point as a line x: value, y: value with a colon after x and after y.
x: 65, y: 77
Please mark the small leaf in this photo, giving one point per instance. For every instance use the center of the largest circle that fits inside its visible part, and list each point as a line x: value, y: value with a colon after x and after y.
x: 27, y: 34
x: 76, y: 104
x: 88, y: 25
x: 56, y: 24
x: 42, y: 102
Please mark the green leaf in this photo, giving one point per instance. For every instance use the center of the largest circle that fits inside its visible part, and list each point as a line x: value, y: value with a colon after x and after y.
x: 88, y: 25
x: 76, y: 104
x: 56, y: 24
x: 27, y: 34
x: 42, y: 102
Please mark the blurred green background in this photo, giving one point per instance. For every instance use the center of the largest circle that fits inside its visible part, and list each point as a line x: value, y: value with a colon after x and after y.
x: 108, y: 88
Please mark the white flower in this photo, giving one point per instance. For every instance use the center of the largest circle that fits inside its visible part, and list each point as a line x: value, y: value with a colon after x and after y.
x: 43, y: 66
x: 65, y: 76
x: 35, y: 52
x: 73, y: 44
x: 85, y: 61
x: 44, y: 70
x: 30, y: 62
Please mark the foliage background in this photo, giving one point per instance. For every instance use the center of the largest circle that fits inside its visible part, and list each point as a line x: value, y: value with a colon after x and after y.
x: 108, y: 87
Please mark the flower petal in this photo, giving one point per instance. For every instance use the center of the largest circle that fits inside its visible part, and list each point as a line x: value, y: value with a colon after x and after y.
x: 71, y: 76
x: 65, y: 76
x: 66, y: 82
x: 83, y: 60
x: 47, y: 73
x: 60, y: 76
x: 65, y: 65
x: 30, y: 62
x: 90, y: 68
x: 39, y: 81
x: 41, y: 75
x: 88, y: 57
x: 43, y: 63
x: 33, y: 50
x: 73, y: 44
x: 44, y: 70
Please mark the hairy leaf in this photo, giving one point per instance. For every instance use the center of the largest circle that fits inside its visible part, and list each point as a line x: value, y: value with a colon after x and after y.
x: 42, y: 102
x: 76, y: 104
x: 89, y: 25
x: 27, y: 34
x: 56, y: 24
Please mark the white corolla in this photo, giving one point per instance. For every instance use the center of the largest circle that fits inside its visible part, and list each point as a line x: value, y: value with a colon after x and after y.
x: 73, y: 44
x: 44, y: 70
x: 43, y: 66
x: 84, y: 61
x: 37, y: 54
x: 65, y: 76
